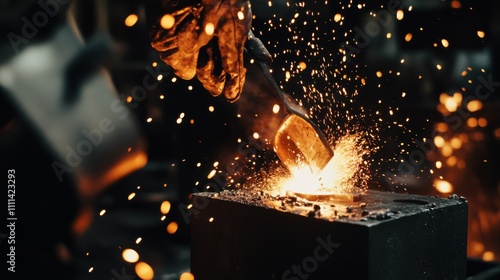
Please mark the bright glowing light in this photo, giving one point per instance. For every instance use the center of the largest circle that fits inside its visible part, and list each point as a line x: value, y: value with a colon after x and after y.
x: 337, y: 17
x: 439, y: 141
x: 443, y: 186
x: 256, y: 135
x: 276, y: 108
x: 172, y: 227
x: 241, y: 15
x: 456, y: 143
x: 131, y: 20
x: 451, y: 161
x: 481, y: 34
x: 488, y: 256
x: 408, y: 37
x: 439, y: 164
x: 144, y: 271
x: 211, y: 109
x: 455, y: 4
x: 130, y: 255
x: 165, y: 207
x: 167, y: 21
x: 472, y: 122
x: 103, y: 211
x: 186, y: 276
x: 337, y: 177
x: 302, y: 65
x: 474, y: 105
x: 482, y: 122
x: 209, y: 28
x: 447, y: 150
x: 211, y: 174
x: 400, y: 14
x: 451, y: 103
x: 130, y: 196
x: 441, y: 127
x: 445, y: 43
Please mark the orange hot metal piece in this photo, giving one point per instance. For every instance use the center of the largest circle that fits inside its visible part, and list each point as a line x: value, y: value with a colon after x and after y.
x: 298, y: 141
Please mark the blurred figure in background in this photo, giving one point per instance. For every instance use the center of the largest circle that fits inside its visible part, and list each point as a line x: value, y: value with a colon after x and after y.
x: 63, y: 126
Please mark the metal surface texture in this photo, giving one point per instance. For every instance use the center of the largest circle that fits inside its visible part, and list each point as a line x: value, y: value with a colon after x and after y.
x: 244, y: 235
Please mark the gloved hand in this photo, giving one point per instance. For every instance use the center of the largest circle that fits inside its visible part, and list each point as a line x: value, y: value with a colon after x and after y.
x: 207, y: 40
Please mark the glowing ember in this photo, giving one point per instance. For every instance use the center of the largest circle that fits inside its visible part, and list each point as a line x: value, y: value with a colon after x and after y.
x: 130, y: 196
x: 130, y: 255
x: 186, y: 276
x: 144, y: 270
x: 165, y: 207
x: 209, y: 28
x: 443, y: 186
x: 172, y: 227
x: 167, y: 21
x: 131, y: 20
x: 276, y: 108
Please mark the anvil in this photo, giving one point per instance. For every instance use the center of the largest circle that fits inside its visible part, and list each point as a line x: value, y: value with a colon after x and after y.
x: 245, y: 235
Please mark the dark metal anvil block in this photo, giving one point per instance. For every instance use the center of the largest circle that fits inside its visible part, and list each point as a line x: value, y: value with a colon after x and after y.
x: 242, y: 235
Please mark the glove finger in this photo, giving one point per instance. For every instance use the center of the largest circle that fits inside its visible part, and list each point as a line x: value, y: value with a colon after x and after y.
x: 209, y: 72
x: 183, y: 64
x: 166, y: 39
x: 177, y: 45
x: 232, y: 37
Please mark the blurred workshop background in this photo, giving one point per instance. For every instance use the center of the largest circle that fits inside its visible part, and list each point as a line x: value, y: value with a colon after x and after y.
x: 420, y: 76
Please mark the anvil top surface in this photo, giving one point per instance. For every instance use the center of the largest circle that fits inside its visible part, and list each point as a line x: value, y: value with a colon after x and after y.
x: 372, y: 208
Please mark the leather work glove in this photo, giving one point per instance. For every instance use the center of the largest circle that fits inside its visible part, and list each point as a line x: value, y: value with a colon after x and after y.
x: 205, y: 39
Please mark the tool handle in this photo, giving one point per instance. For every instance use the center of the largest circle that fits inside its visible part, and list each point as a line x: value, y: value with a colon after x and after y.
x: 256, y: 50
